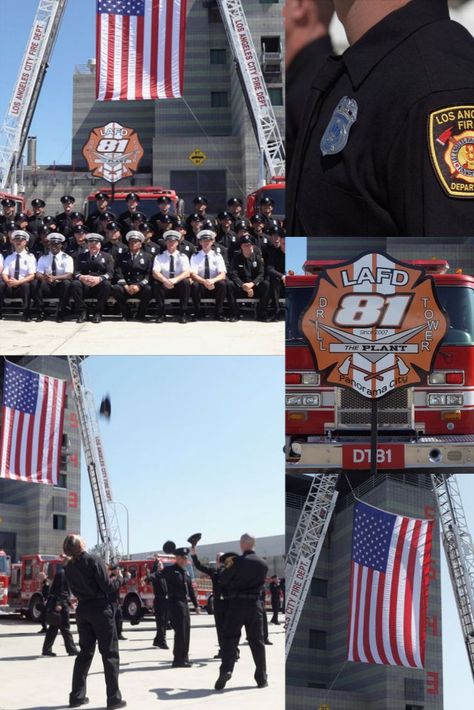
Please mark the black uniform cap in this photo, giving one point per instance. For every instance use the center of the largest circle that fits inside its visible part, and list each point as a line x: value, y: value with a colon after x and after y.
x: 245, y: 240
x: 101, y: 196
x: 178, y: 223
x: 79, y: 229
x: 67, y: 199
x: 227, y: 555
x: 112, y: 225
x: 276, y: 229
x: 265, y: 200
x: 21, y: 216
x: 257, y: 218
x: 224, y: 215
x: 138, y: 215
x: 209, y: 224
x: 10, y: 225
x: 163, y: 199
x: 132, y: 196
x: 106, y: 215
x: 49, y: 219
x: 194, y: 217
x: 6, y: 202
x: 169, y: 547
x: 43, y: 230
x: 37, y: 202
x: 194, y: 539
x: 200, y: 200
x: 234, y: 201
x: 77, y: 215
x: 145, y: 227
x: 182, y: 551
x: 242, y: 224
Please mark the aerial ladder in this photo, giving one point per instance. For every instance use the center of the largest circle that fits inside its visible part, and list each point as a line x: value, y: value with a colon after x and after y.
x: 107, y: 525
x: 253, y: 86
x: 311, y: 530
x: 19, y: 115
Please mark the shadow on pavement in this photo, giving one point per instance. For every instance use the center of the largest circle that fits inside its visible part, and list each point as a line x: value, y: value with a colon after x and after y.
x: 186, y: 694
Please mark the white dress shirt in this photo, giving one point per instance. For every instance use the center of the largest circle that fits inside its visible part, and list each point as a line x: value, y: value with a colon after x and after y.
x: 216, y: 264
x: 27, y: 264
x: 161, y: 263
x: 64, y: 264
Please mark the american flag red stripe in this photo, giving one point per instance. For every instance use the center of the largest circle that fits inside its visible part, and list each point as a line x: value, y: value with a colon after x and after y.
x: 32, y: 426
x: 389, y: 588
x: 140, y: 49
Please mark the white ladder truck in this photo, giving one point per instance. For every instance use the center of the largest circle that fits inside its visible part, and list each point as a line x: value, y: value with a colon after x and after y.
x: 19, y: 115
x: 312, y: 526
x: 253, y: 86
x: 107, y: 525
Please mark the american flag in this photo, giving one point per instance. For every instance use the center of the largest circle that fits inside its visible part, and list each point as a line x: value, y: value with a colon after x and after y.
x: 140, y: 49
x: 32, y: 425
x: 390, y: 566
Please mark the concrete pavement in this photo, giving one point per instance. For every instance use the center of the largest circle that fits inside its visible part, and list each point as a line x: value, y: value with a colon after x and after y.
x: 245, y: 337
x: 29, y: 681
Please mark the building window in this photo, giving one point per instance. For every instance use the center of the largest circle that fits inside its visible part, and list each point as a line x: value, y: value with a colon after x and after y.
x: 218, y: 56
x: 317, y: 639
x: 319, y: 587
x: 414, y: 707
x: 62, y: 480
x: 219, y: 99
x: 276, y: 95
x: 271, y: 44
x: 65, y: 440
x: 65, y: 401
x: 414, y: 690
x: 59, y: 522
x: 268, y: 2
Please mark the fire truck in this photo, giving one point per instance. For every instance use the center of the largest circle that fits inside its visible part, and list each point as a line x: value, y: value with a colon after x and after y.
x: 5, y: 571
x: 24, y: 581
x: 429, y: 426
x: 276, y: 190
x: 147, y: 195
x: 18, y: 199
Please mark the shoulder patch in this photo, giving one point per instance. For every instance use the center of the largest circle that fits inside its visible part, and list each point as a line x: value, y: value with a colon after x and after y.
x: 451, y: 147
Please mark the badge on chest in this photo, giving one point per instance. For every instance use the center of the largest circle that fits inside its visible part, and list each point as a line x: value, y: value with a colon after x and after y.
x: 336, y: 135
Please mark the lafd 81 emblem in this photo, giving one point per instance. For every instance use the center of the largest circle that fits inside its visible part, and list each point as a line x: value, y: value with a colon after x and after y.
x: 374, y: 324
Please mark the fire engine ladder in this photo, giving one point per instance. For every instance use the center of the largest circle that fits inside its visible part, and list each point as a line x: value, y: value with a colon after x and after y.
x: 253, y: 85
x: 26, y: 92
x: 107, y: 524
x: 306, y: 545
x: 459, y: 552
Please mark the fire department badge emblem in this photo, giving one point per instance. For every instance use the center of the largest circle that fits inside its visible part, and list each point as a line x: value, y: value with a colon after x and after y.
x: 374, y: 324
x: 451, y: 142
x: 113, y: 152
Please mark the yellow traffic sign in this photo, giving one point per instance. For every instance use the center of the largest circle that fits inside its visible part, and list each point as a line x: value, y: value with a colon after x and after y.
x: 324, y: 707
x: 197, y: 157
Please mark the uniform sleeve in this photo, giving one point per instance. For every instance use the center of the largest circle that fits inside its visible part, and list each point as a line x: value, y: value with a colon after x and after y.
x: 68, y: 264
x: 31, y: 265
x: 234, y: 274
x: 202, y: 568
x: 184, y: 262
x: 103, y: 580
x: 118, y: 276
x: 221, y: 264
x: 261, y: 272
x: 156, y: 264
x: 40, y: 267
x: 430, y: 174
x: 192, y: 594
x: 110, y: 266
x: 193, y: 264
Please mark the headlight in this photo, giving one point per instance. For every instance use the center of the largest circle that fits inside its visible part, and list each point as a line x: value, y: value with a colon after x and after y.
x: 302, y: 400
x: 437, y: 378
x: 310, y: 378
x: 445, y: 400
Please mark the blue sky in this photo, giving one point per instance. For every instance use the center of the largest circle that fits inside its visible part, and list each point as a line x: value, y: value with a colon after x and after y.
x: 193, y: 444
x: 75, y: 45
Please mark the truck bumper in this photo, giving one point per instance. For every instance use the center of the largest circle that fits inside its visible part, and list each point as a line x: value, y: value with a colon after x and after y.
x: 427, y: 453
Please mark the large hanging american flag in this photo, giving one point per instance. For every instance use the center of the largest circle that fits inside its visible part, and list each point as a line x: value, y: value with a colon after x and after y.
x: 32, y: 426
x: 140, y: 49
x: 390, y: 566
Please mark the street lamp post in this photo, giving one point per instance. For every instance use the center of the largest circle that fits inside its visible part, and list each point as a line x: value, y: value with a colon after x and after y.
x: 116, y: 502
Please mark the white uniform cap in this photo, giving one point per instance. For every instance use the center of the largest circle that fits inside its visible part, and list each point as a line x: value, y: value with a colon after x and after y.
x: 206, y: 234
x: 20, y: 234
x: 134, y: 234
x: 172, y: 234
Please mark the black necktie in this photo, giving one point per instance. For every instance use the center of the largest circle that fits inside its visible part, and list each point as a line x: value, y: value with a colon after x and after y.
x: 53, y: 265
x: 207, y: 273
x: 17, y: 267
x: 171, y: 266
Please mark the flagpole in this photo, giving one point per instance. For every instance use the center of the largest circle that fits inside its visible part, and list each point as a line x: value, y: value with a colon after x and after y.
x: 373, y: 438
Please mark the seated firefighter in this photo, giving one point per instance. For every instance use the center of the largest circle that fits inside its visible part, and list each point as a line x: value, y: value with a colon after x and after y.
x: 133, y: 273
x: 54, y: 276
x: 18, y: 274
x: 171, y: 276
x: 208, y: 274
x: 248, y: 278
x: 93, y: 273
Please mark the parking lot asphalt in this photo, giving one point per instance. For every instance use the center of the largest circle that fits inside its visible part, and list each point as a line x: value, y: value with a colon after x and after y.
x: 29, y: 681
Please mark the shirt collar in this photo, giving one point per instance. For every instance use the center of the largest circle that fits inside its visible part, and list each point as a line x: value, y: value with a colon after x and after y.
x: 387, y: 34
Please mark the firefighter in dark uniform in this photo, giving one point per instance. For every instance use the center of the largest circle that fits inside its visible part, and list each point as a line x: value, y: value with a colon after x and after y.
x: 235, y: 207
x: 8, y: 207
x: 200, y: 206
x: 77, y: 241
x: 307, y: 46
x: 22, y: 223
x: 160, y: 603
x: 244, y: 578
x: 247, y: 273
x: 54, y: 274
x: 274, y: 588
x: 93, y: 273
x: 387, y: 143
x: 260, y: 231
x: 133, y: 273
x: 180, y: 589
x: 102, y: 201
x: 63, y: 219
x: 59, y: 600
x: 150, y: 244
x: 274, y: 256
x: 113, y: 243
x: 114, y: 597
x: 266, y: 206
x: 37, y: 218
x: 45, y: 587
x: 164, y: 206
x: 125, y: 219
x: 91, y: 585
x: 41, y: 246
x: 225, y: 231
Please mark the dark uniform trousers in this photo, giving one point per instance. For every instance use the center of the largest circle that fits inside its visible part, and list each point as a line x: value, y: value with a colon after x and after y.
x: 64, y: 628
x: 80, y: 291
x: 160, y: 607
x: 247, y: 611
x: 180, y: 291
x: 134, y: 270
x: 60, y: 290
x: 96, y: 623
x: 181, y: 623
x: 24, y: 291
x: 220, y: 610
x: 275, y: 605
x: 261, y: 292
x: 199, y: 291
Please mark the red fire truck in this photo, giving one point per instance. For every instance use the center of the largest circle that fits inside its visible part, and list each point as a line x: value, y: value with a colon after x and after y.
x: 429, y: 426
x: 5, y: 571
x: 136, y: 594
x: 275, y: 190
x: 25, y: 582
x: 18, y: 199
x: 147, y: 195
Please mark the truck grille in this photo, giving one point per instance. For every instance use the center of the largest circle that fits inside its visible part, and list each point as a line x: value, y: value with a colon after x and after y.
x: 395, y: 411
